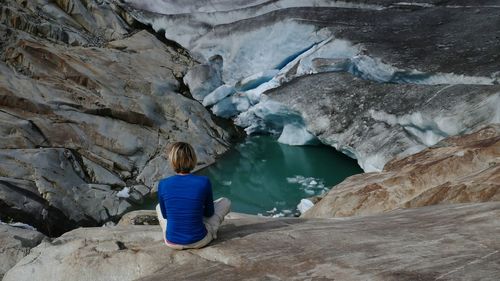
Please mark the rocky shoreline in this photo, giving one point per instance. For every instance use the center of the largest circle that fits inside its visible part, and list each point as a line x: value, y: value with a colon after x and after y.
x: 444, y: 242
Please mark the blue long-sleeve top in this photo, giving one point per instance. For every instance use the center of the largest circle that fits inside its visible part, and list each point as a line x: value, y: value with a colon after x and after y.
x: 184, y: 201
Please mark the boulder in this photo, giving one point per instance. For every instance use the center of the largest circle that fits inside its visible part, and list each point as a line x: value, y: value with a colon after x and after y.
x: 202, y: 79
x: 16, y: 243
x: 446, y: 242
x: 139, y: 217
x: 456, y: 170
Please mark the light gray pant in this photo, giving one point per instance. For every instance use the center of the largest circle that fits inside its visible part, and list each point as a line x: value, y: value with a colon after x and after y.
x: 221, y: 209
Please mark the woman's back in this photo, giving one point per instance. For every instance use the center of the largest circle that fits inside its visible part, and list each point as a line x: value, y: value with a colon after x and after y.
x: 185, y: 199
x: 188, y: 216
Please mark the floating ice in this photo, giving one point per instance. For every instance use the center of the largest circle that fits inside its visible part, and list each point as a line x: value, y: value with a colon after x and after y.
x: 124, y: 193
x: 273, y: 210
x: 304, y: 205
x: 311, y: 186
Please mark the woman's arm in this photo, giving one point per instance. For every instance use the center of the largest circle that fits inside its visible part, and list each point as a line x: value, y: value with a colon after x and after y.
x: 161, y: 202
x: 209, y: 201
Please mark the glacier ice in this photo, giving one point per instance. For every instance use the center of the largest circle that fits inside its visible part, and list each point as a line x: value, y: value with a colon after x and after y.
x: 124, y: 193
x: 270, y: 53
x: 218, y: 94
x: 304, y: 205
x: 296, y: 134
x: 429, y: 129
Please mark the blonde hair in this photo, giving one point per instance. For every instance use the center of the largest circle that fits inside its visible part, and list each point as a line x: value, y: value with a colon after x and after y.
x: 182, y: 157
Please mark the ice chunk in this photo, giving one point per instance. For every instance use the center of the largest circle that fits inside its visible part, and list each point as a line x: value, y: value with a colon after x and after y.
x: 124, y: 193
x: 304, y: 205
x: 22, y: 225
x: 294, y: 134
x: 231, y: 106
x: 218, y: 94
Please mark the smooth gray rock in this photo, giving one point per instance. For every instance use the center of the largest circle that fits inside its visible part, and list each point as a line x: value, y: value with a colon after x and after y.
x: 54, y: 194
x: 453, y: 242
x: 202, y: 79
x: 16, y: 243
x: 83, y: 117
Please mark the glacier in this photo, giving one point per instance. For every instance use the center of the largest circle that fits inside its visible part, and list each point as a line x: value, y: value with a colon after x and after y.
x: 263, y: 46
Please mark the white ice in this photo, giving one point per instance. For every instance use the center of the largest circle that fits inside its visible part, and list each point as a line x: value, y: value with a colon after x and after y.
x: 20, y: 225
x: 124, y: 193
x: 218, y: 94
x: 251, y: 59
x: 295, y: 134
x: 304, y: 205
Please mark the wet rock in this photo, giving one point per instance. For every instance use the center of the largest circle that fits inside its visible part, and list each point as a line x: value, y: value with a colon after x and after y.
x: 438, y: 242
x: 16, y: 243
x: 456, y: 170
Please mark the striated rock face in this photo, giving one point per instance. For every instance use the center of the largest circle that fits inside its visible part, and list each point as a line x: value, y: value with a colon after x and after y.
x: 87, y: 107
x: 16, y: 243
x: 456, y: 170
x: 452, y: 242
x: 431, y: 56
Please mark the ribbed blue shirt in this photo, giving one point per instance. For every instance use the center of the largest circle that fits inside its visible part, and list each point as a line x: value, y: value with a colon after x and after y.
x: 184, y: 201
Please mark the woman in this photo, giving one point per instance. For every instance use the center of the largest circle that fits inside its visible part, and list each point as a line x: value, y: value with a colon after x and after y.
x: 185, y: 200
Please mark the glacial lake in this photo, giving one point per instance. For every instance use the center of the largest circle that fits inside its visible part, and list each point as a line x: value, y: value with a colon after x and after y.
x: 261, y: 176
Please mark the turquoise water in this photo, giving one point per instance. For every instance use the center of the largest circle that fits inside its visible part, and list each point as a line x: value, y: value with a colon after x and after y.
x: 262, y: 176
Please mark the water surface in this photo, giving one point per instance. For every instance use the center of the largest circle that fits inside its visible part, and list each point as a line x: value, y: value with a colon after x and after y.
x: 262, y: 176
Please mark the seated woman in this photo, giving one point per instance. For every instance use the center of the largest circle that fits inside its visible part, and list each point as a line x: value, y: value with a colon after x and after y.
x: 186, y: 201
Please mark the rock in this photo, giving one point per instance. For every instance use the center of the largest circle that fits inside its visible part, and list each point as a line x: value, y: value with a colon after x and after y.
x: 54, y: 194
x: 374, y: 122
x: 83, y: 115
x: 139, y: 217
x: 202, y: 79
x: 438, y: 242
x: 16, y: 243
x: 456, y: 170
